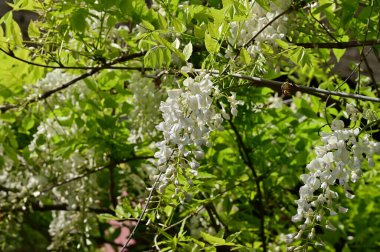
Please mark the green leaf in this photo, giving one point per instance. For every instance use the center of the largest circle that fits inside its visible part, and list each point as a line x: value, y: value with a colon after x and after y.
x: 147, y: 25
x: 338, y: 53
x: 122, y: 213
x: 109, y: 102
x: 199, y: 31
x: 28, y: 122
x: 321, y: 8
x: 33, y: 31
x: 178, y: 26
x: 78, y: 20
x: 212, y: 29
x: 232, y: 237
x: 264, y: 4
x: 13, y: 30
x: 205, y: 175
x: 211, y: 44
x: 167, y: 57
x: 106, y: 217
x: 126, y: 7
x: 212, y: 239
x: 159, y: 56
x: 168, y: 45
x: 244, y: 56
x: 162, y: 21
x: 187, y: 51
x: 282, y: 44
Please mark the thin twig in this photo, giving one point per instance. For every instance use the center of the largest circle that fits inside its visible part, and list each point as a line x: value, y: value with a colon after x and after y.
x: 323, y: 26
x: 266, y: 26
x: 123, y: 249
x: 371, y: 74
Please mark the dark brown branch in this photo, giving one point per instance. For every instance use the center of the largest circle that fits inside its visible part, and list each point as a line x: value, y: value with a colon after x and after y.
x: 276, y: 85
x: 339, y: 45
x: 12, y: 55
x: 65, y: 207
x: 59, y: 207
x: 371, y: 74
x: 112, y: 185
x: 98, y: 169
x: 7, y: 189
x: 48, y: 93
x: 244, y: 153
x: 212, y: 213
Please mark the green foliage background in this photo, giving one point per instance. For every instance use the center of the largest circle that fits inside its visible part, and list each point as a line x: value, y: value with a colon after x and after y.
x: 222, y: 210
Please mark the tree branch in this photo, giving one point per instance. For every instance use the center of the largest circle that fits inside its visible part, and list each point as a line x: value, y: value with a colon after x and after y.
x: 48, y: 93
x: 59, y: 207
x: 65, y: 207
x: 112, y: 185
x: 323, y: 26
x: 98, y: 169
x: 339, y: 45
x: 244, y: 153
x: 276, y: 85
x: 12, y: 55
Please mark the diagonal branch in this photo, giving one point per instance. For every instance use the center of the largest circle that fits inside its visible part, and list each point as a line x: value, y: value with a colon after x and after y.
x: 124, y: 248
x: 268, y: 24
x: 49, y: 93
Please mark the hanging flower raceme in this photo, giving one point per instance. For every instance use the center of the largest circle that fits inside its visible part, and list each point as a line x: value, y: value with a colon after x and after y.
x: 338, y: 162
x: 243, y: 32
x: 189, y: 116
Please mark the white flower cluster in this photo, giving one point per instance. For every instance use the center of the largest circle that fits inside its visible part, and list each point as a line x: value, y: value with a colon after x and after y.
x: 146, y: 100
x: 189, y: 116
x: 338, y: 162
x: 53, y: 80
x: 242, y: 32
x: 70, y: 227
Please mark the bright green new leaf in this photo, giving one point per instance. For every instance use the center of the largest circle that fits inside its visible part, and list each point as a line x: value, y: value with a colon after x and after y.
x: 338, y: 53
x: 211, y: 44
x: 33, y: 30
x: 148, y: 25
x: 162, y: 21
x: 213, y: 239
x: 187, y: 51
x: 244, y: 56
